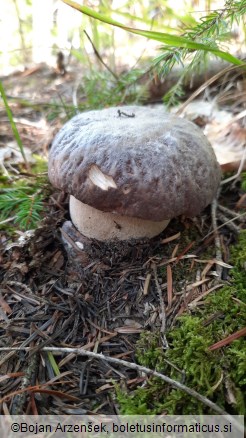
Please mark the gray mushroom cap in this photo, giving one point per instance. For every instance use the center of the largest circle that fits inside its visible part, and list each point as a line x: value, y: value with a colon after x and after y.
x: 135, y: 161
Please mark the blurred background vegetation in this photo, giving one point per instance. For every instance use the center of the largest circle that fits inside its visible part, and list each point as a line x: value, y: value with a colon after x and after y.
x: 34, y: 30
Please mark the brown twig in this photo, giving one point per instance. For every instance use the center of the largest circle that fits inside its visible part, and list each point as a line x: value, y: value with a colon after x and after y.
x: 228, y: 339
x: 163, y: 310
x: 134, y: 366
x: 204, y: 86
x: 239, y: 171
x: 100, y: 58
x: 225, y: 223
x: 216, y: 237
x: 169, y: 286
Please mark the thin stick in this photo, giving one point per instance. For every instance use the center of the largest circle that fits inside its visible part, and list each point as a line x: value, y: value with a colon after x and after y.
x: 100, y: 58
x: 20, y: 399
x: 222, y: 225
x: 216, y: 237
x: 204, y: 86
x: 240, y: 169
x: 228, y: 339
x: 134, y: 366
x: 163, y: 310
x: 169, y: 286
x: 8, y: 220
x: 74, y: 96
x: 234, y: 228
x: 231, y: 213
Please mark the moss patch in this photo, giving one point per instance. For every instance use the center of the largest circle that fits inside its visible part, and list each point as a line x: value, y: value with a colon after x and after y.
x: 219, y: 375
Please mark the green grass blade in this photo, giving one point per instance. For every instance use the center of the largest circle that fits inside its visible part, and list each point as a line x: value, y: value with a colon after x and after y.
x: 13, y: 125
x: 53, y: 363
x: 171, y: 40
x: 138, y: 19
x: 184, y: 19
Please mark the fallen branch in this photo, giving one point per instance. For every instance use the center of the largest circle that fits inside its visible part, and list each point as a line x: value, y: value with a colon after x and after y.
x: 134, y: 366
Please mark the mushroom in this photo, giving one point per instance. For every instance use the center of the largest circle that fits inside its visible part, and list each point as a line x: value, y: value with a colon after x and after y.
x: 131, y: 169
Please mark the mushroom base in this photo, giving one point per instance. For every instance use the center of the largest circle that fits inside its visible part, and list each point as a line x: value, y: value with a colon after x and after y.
x: 105, y: 226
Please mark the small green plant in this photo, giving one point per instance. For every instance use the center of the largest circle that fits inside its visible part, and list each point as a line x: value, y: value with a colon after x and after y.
x: 211, y: 30
x: 100, y: 89
x: 188, y: 43
x: 22, y: 204
x: 13, y: 125
x: 190, y: 48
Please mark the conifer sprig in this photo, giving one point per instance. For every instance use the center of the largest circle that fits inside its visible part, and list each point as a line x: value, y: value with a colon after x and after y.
x: 25, y: 204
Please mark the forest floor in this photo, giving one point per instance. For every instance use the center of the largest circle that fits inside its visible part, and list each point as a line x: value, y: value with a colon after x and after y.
x: 163, y: 304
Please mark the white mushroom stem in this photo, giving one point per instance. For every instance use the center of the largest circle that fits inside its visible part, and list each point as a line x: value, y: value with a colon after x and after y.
x: 105, y: 226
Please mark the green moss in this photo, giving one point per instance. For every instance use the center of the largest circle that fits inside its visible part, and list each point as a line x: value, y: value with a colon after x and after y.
x: 213, y: 374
